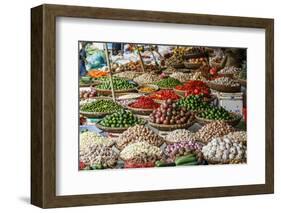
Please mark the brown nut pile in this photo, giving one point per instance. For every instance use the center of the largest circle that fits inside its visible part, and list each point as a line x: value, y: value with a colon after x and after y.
x: 213, y: 130
x: 138, y: 133
x: 141, y: 152
x: 98, y: 154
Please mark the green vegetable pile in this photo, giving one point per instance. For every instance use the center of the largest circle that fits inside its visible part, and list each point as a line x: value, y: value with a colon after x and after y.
x: 106, y: 78
x: 194, y: 103
x: 168, y: 83
x: 118, y: 84
x: 101, y: 106
x: 85, y: 80
x: 121, y: 119
x: 216, y: 113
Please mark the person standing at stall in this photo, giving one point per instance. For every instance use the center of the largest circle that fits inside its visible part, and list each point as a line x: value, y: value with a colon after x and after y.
x: 82, y: 59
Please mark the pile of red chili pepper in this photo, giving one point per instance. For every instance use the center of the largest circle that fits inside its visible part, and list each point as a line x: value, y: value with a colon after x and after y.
x: 145, y: 103
x: 195, y: 88
x: 164, y: 95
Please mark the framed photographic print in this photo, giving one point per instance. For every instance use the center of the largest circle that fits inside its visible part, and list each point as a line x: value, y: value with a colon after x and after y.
x: 136, y: 106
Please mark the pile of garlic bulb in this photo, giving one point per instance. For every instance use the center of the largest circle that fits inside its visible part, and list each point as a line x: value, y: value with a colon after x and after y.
x: 224, y: 150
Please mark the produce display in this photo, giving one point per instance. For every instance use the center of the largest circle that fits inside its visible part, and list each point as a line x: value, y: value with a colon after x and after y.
x: 169, y: 70
x: 193, y: 103
x: 141, y: 152
x: 120, y: 119
x: 133, y: 66
x: 97, y: 73
x: 176, y: 59
x: 195, y: 87
x: 180, y: 135
x: 125, y: 102
x: 169, y: 113
x: 177, y: 111
x: 127, y: 74
x: 196, y: 60
x: 229, y: 70
x: 148, y: 88
x: 198, y: 76
x: 87, y: 138
x: 86, y: 80
x: 164, y: 95
x: 107, y: 106
x: 118, y: 84
x: 98, y: 156
x: 168, y: 83
x: 224, y: 150
x: 87, y: 93
x: 213, y: 130
x: 136, y: 134
x: 176, y: 150
x: 182, y: 77
x: 226, y: 81
x: 145, y: 103
x: 238, y: 136
x: 215, y: 113
x: 194, y: 50
x: 129, y: 96
x: 147, y: 78
x: 106, y: 78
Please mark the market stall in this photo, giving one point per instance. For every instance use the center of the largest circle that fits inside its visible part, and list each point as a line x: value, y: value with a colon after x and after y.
x: 155, y: 106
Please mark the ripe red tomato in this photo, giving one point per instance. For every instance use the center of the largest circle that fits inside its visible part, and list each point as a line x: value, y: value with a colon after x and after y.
x: 196, y: 91
x: 213, y: 71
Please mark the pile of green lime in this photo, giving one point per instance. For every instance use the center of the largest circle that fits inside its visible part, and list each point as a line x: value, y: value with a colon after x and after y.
x: 216, y: 113
x: 121, y: 119
x: 193, y: 103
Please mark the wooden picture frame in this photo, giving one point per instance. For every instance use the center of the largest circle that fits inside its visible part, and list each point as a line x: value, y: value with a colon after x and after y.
x: 43, y: 105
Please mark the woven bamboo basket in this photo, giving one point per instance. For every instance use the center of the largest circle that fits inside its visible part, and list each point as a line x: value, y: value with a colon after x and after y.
x: 232, y: 122
x: 223, y: 88
x: 164, y: 127
x: 110, y: 129
x: 94, y: 114
x: 109, y: 92
x: 178, y: 66
x: 140, y: 111
x: 192, y: 65
x: 194, y: 55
